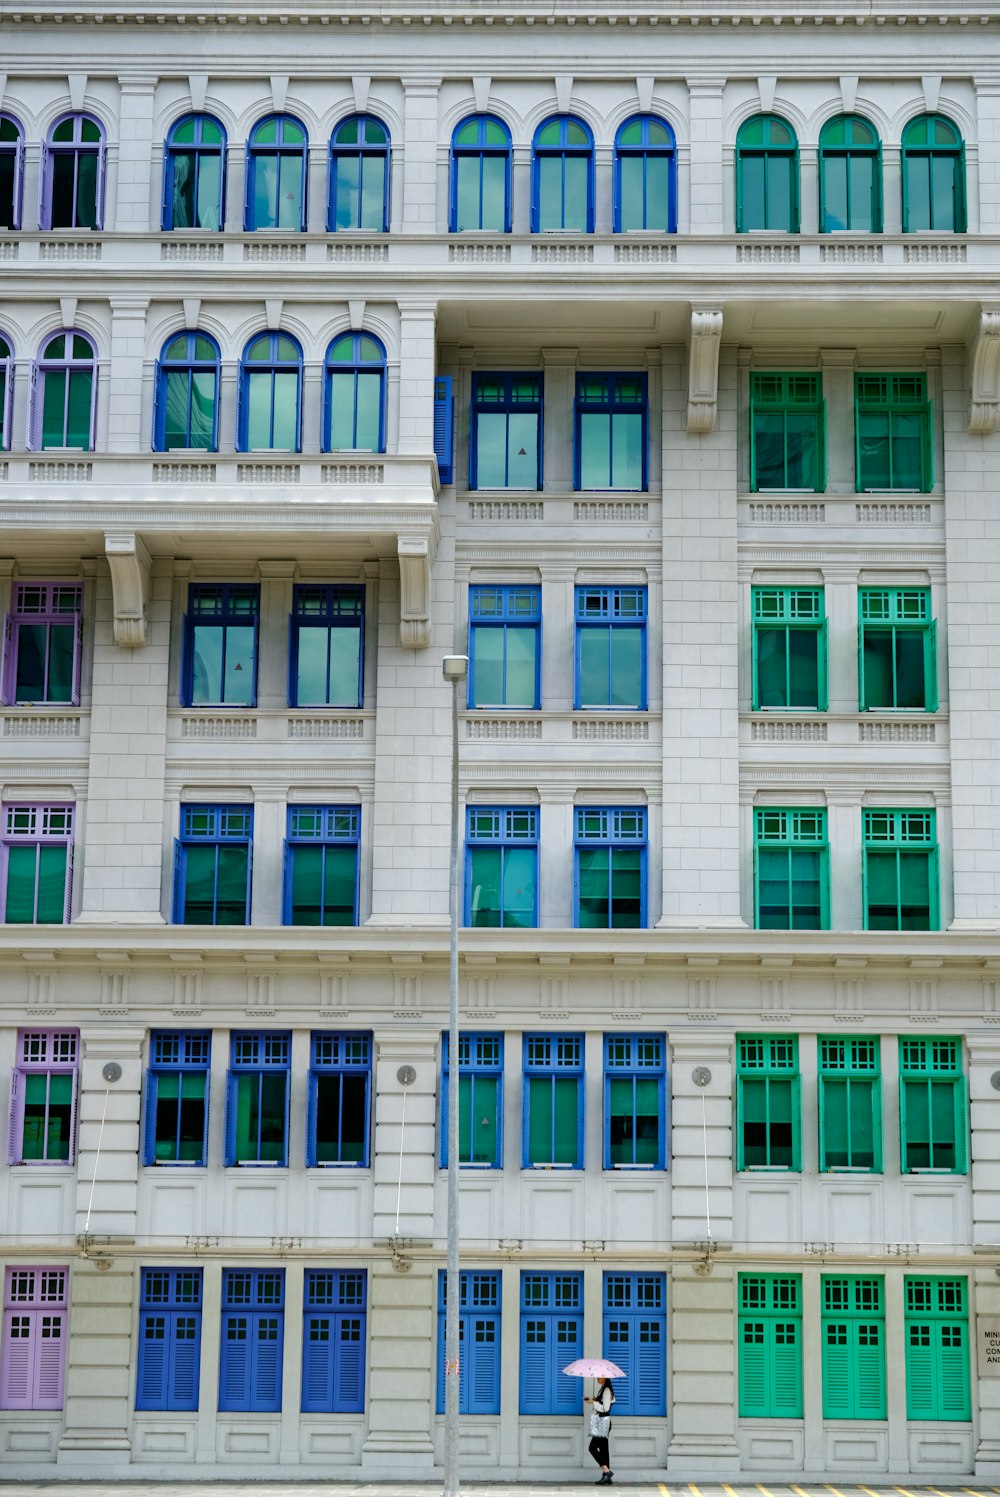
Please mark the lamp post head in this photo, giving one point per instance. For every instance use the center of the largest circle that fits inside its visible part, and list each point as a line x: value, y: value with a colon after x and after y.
x: 455, y: 667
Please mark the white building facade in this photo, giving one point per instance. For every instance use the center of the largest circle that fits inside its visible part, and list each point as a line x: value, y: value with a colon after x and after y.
x: 651, y: 357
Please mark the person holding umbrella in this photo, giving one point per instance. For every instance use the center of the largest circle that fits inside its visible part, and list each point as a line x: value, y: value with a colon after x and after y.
x: 600, y: 1413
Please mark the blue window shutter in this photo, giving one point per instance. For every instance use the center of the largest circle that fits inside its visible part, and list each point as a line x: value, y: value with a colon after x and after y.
x: 284, y: 1142
x: 349, y: 1364
x: 317, y: 1364
x: 566, y: 1344
x: 439, y: 1378
x: 231, y: 1084
x: 311, y: 1106
x: 535, y: 1366
x: 149, y: 1130
x: 444, y: 435
x: 445, y: 1083
x: 151, y: 1377
x: 242, y: 442
x: 649, y: 1363
x: 481, y: 1364
x: 293, y: 662
x: 159, y: 408
x: 177, y: 913
x: 286, y: 887
x: 324, y: 431
x: 249, y: 888
x: 619, y: 1330
x: 248, y: 190
x: 616, y: 221
x: 187, y: 664
x: 234, y: 1363
x: 185, y: 1361
x: 266, y: 1383
x: 167, y: 195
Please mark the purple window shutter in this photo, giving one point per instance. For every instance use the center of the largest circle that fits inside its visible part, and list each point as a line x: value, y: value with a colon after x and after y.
x: 93, y: 407
x: 20, y: 1331
x: 45, y: 178
x: 8, y: 404
x: 77, y: 661
x: 19, y: 182
x: 67, y: 911
x: 50, y: 1359
x: 15, y: 1117
x: 33, y: 435
x: 8, y: 663
x: 102, y: 153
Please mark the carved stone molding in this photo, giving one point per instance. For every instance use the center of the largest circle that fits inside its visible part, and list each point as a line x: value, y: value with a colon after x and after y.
x: 703, y: 370
x: 984, y: 374
x: 128, y: 561
x: 416, y: 553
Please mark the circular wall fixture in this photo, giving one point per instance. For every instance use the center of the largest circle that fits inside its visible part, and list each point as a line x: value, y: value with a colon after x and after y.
x: 406, y: 1075
x: 995, y: 1081
x: 112, y: 1072
x: 701, y: 1075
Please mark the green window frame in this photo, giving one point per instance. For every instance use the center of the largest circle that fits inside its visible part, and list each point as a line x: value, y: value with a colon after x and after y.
x: 767, y: 176
x: 900, y: 870
x: 770, y: 1346
x: 850, y: 1104
x: 893, y: 433
x: 791, y: 868
x: 853, y: 1337
x: 850, y: 176
x: 787, y: 432
x: 936, y: 1332
x: 933, y: 167
x: 933, y: 1106
x: 767, y: 1102
x: 897, y: 650
x: 789, y: 648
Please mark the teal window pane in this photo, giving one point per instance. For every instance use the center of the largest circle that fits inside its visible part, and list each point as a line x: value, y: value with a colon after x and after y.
x: 942, y: 1118
x: 231, y: 899
x: 774, y: 911
x: 338, y: 885
x: 182, y: 208
x: 836, y: 211
x: 372, y: 212
x: 78, y: 408
x: 238, y: 681
x: 199, y: 884
x: 341, y: 411
x: 914, y: 890
x: 907, y: 441
x: 368, y: 436
x: 175, y: 414
x: 520, y: 671
x: 626, y: 888
x: 565, y: 1122
x: 202, y: 433
x: 803, y: 667
x: 539, y: 1101
x: 633, y: 1125
x: 862, y: 1124
x: 883, y: 889
x: 779, y: 192
x: 491, y: 450
x: 477, y: 1119
x: 54, y: 408
x: 626, y: 451
x: 595, y: 450
x: 348, y: 184
x: 467, y: 194
x: 307, y: 876
x: 484, y: 896
x: 863, y: 193
x: 873, y: 450
x: 836, y: 1142
x: 657, y: 193
x: 595, y: 667
x: 290, y: 192
x: 911, y: 686
x: 918, y: 1124
x: 19, y: 908
x: 550, y: 193
x: 51, y: 883
x: 878, y: 667
x: 769, y: 449
x: 626, y: 667
x: 633, y: 211
x: 522, y: 450
x: 806, y: 874
x: 86, y: 190
x: 265, y: 191
x: 753, y: 213
x: 918, y: 193
x: 575, y: 203
x: 772, y: 667
x: 493, y: 214
x: 519, y: 887
x: 32, y: 642
x: 488, y: 681
x: 780, y: 1123
x: 286, y: 412
x: 33, y: 1138
x: 206, y: 671
x: 753, y: 1120
x: 593, y: 870
x: 944, y: 170
x: 209, y: 192
x: 620, y: 1123
x: 801, y: 444
x: 258, y: 396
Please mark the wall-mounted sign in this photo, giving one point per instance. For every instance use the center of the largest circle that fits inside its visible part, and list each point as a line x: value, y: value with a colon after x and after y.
x: 988, y: 1339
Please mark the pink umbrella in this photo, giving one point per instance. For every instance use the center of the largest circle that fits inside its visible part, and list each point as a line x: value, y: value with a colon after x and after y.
x: 593, y: 1367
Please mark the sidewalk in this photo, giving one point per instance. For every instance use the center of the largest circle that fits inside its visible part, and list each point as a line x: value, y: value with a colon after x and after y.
x: 265, y: 1488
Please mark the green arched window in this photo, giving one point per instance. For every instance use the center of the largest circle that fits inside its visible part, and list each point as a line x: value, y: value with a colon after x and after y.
x: 933, y: 176
x: 850, y: 176
x: 767, y: 176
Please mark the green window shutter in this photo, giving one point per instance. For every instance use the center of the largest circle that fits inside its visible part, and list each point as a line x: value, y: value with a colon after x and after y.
x: 920, y: 1379
x: 823, y: 696
x: 927, y: 449
x: 786, y: 1370
x: 961, y: 1100
x: 821, y: 455
x: 833, y: 1143
x: 953, y: 1361
x: 931, y: 667
x: 861, y: 650
x: 837, y: 1400
x: 753, y: 1377
x: 870, y: 1360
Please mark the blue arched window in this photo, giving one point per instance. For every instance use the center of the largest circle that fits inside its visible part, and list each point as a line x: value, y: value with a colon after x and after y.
x: 480, y: 175
x: 645, y: 176
x: 63, y: 396
x: 194, y: 174
x: 850, y: 175
x: 359, y: 175
x: 354, y: 394
x: 270, y: 416
x: 187, y: 394
x: 276, y: 174
x: 767, y: 175
x: 933, y: 176
x: 11, y: 171
x: 73, y: 174
x: 562, y: 176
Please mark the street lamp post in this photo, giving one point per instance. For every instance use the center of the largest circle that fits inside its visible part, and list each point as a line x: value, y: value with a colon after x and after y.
x: 455, y: 668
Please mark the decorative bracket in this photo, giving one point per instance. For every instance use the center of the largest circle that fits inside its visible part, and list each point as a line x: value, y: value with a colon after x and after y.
x: 984, y: 374
x: 703, y: 370
x: 128, y: 561
x: 416, y: 553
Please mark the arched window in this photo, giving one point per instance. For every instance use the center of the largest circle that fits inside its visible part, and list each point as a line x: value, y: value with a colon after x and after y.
x: 353, y: 395
x: 645, y: 176
x: 11, y: 172
x: 933, y: 176
x: 850, y: 176
x: 359, y: 175
x: 187, y: 394
x: 562, y: 176
x: 276, y: 174
x: 480, y: 175
x: 6, y: 391
x: 63, y: 401
x: 73, y: 175
x: 194, y: 174
x: 270, y: 394
x: 767, y: 176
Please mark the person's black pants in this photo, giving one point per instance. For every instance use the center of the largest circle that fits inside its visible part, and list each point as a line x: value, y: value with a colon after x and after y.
x: 598, y: 1448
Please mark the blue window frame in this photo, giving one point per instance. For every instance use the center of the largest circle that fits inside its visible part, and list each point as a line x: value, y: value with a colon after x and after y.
x: 220, y: 645
x: 359, y: 175
x: 611, y: 647
x: 480, y: 175
x: 609, y: 882
x: 326, y: 646
x: 253, y: 1329
x: 501, y: 866
x: 645, y: 186
x: 354, y: 395
x: 194, y: 174
x: 610, y: 432
x: 270, y: 397
x: 480, y: 1100
x: 212, y: 859
x: 504, y: 646
x: 479, y: 1342
x: 334, y: 1340
x: 552, y: 1101
x: 551, y: 1336
x: 635, y: 1337
x: 276, y: 174
x: 177, y: 1096
x: 257, y: 1097
x: 562, y: 176
x: 634, y: 1102
x: 506, y: 434
x: 338, y: 1123
x: 186, y: 401
x: 169, y: 1359
x: 321, y: 865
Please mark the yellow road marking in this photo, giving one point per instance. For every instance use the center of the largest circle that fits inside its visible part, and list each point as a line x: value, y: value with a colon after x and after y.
x: 693, y: 1489
x: 798, y: 1490
x: 664, y: 1490
x: 868, y: 1490
x: 727, y: 1489
x: 764, y: 1490
x: 833, y: 1490
x: 973, y: 1493
x: 905, y: 1493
